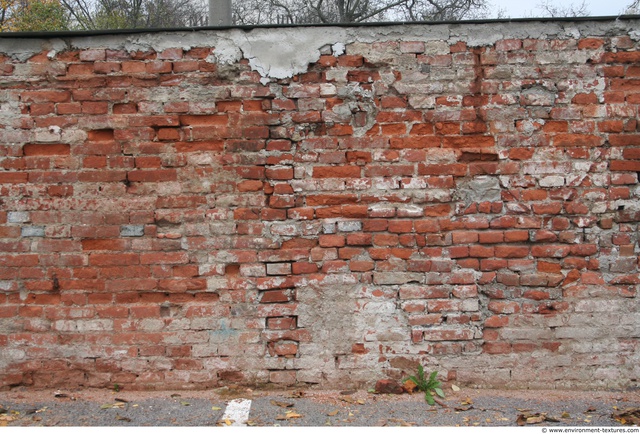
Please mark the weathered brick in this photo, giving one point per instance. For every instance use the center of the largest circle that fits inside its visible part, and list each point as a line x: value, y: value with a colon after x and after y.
x: 193, y: 227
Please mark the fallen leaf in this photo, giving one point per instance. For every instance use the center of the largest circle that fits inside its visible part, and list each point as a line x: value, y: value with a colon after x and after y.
x: 292, y: 415
x: 347, y: 399
x: 360, y: 401
x: 463, y: 408
x: 296, y: 394
x: 467, y: 401
x: 176, y: 395
x: 228, y: 422
x: 185, y: 403
x: 59, y: 394
x: 36, y: 419
x: 628, y: 416
x: 6, y: 419
x: 114, y: 405
x: 122, y: 418
x: 591, y: 410
x: 409, y: 386
x: 535, y: 419
x: 121, y: 400
x: 565, y: 415
x: 347, y: 392
x: 455, y: 388
x: 333, y: 413
x: 216, y: 408
x: 281, y: 403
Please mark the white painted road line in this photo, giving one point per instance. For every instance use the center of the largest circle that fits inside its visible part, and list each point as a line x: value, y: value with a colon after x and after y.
x: 237, y: 412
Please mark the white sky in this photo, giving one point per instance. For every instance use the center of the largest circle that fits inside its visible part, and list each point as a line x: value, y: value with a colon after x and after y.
x: 526, y: 8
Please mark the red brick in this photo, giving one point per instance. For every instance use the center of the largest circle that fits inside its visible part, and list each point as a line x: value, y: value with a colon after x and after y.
x: 279, y: 173
x: 275, y: 296
x: 590, y: 43
x: 304, y: 268
x: 104, y: 244
x: 512, y: 251
x: 13, y: 178
x: 331, y: 240
x: 43, y: 96
x: 164, y: 258
x: 496, y: 321
x: 573, y: 140
x: 350, y: 61
x: 160, y: 175
x: 468, y: 142
x: 504, y: 307
x: 496, y: 347
x: 34, y: 149
x: 336, y: 172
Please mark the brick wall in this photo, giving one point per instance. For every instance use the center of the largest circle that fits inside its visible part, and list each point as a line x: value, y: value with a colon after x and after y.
x: 204, y: 208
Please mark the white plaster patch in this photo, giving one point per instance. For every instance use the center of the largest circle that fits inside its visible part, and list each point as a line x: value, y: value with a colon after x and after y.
x: 226, y: 52
x: 286, y: 53
x: 338, y: 49
x: 237, y: 412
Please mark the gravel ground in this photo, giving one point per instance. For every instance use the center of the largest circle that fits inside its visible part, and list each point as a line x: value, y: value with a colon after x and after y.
x: 466, y: 407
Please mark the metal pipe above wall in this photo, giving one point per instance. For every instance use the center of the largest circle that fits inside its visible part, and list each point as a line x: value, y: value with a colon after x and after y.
x: 219, y: 12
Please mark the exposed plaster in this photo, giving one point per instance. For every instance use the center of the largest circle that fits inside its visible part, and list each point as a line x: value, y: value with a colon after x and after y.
x: 284, y: 52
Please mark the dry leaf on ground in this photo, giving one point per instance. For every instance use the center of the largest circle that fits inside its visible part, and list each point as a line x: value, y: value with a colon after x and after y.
x: 528, y: 418
x: 114, y: 405
x: 628, y: 416
x: 409, y: 386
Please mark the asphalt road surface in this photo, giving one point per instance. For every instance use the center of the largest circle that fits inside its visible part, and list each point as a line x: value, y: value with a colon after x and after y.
x: 245, y: 407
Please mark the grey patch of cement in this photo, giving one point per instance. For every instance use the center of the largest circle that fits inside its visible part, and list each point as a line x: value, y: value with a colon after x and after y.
x: 480, y: 189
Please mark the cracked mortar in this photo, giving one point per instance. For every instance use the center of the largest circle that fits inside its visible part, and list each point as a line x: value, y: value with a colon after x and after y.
x: 289, y: 51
